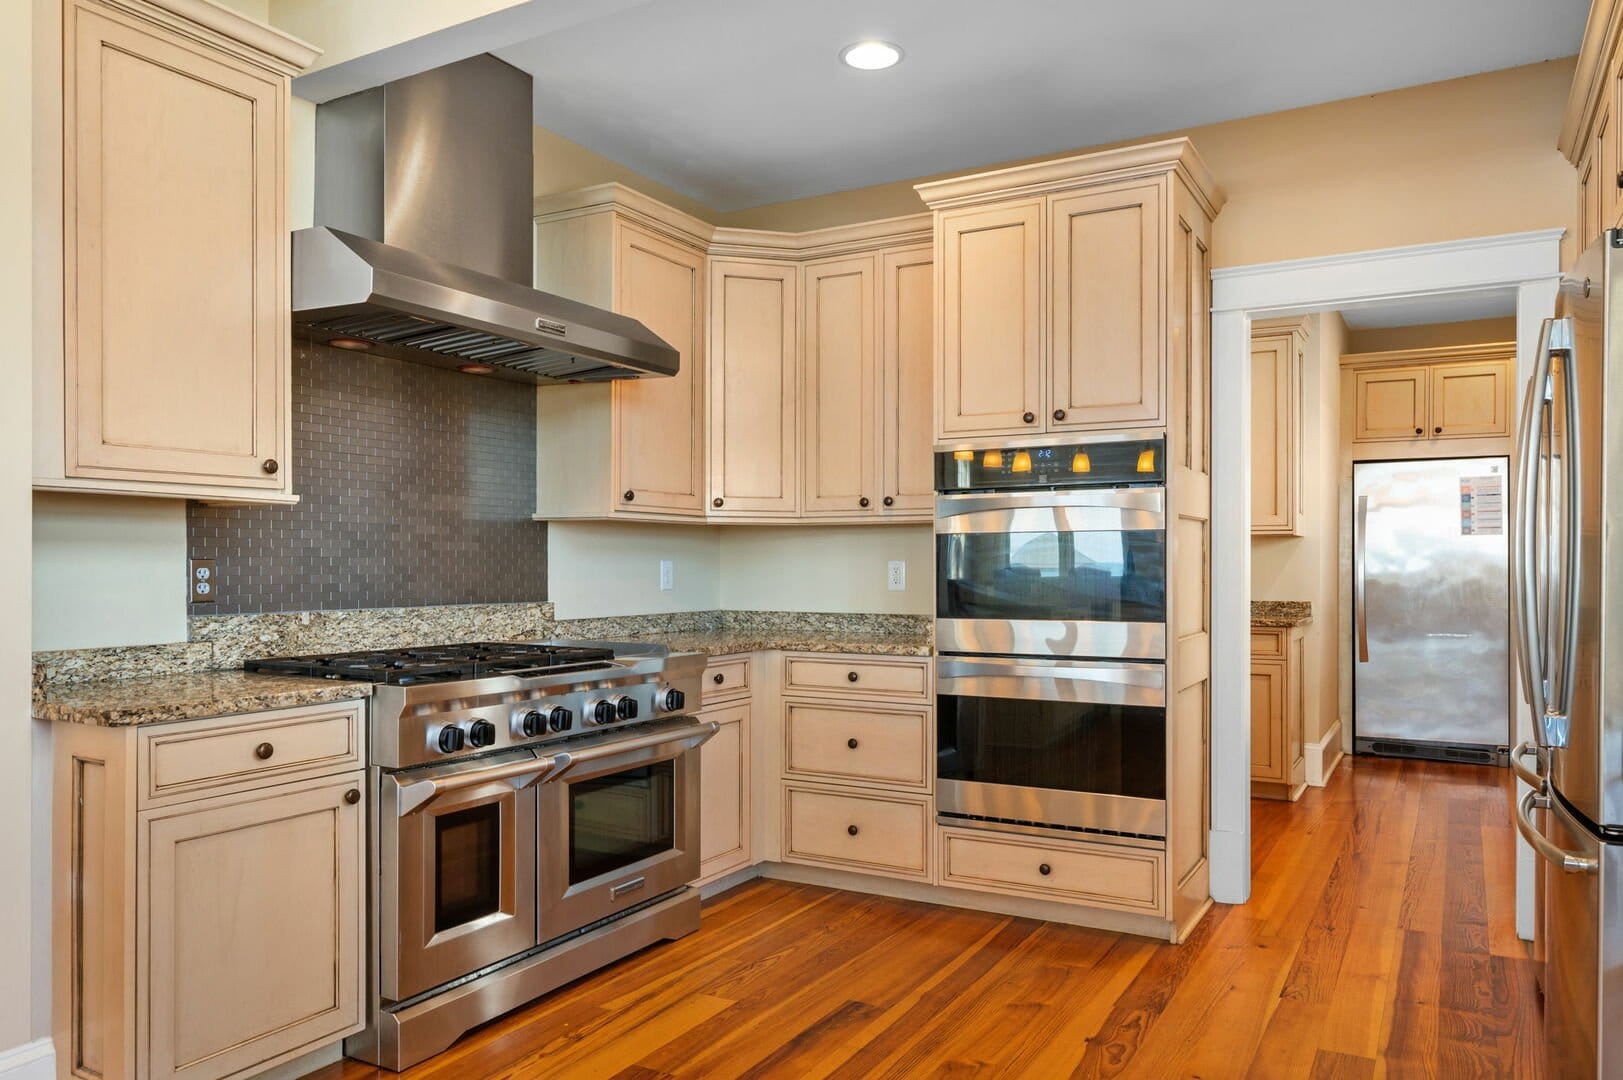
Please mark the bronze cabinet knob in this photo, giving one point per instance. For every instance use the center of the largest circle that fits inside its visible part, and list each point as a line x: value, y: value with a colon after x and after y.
x: 1419, y: 431
x: 852, y: 743
x: 851, y: 830
x: 629, y: 496
x: 1059, y: 414
x: 1438, y: 429
x: 264, y: 751
x: 863, y: 502
x: 1030, y: 418
x: 1620, y: 179
x: 716, y: 502
x: 270, y: 466
x: 889, y: 501
x: 352, y: 796
x: 1045, y: 869
x: 718, y: 678
x: 850, y: 676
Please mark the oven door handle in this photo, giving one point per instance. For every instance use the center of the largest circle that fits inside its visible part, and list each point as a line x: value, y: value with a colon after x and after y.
x: 417, y: 794
x: 688, y: 738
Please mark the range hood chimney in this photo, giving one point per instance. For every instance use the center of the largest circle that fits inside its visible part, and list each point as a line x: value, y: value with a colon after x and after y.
x: 422, y: 244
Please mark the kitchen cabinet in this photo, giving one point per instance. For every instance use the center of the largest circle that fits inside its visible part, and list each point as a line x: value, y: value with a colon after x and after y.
x: 1277, y: 355
x: 1055, y: 291
x: 724, y: 793
x: 1390, y: 403
x: 173, y: 375
x: 210, y: 895
x: 1470, y: 400
x: 841, y: 388
x: 1278, y: 709
x: 907, y: 366
x: 753, y: 374
x: 1589, y: 136
x: 1458, y: 392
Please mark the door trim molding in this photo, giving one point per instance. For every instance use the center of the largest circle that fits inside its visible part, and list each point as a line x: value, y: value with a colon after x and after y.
x: 1527, y: 264
x: 31, y: 1061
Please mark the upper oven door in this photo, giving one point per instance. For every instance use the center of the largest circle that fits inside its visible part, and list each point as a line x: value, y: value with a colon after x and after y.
x: 620, y: 822
x: 1052, y: 573
x: 456, y: 871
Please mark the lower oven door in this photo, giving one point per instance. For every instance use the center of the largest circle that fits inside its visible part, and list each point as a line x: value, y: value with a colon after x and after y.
x: 1058, y: 743
x: 456, y: 873
x: 620, y: 822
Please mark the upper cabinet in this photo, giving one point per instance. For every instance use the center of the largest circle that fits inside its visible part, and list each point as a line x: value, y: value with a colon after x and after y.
x: 807, y: 363
x: 1419, y: 395
x: 173, y: 375
x: 1054, y: 292
x: 1278, y: 351
x: 1589, y: 128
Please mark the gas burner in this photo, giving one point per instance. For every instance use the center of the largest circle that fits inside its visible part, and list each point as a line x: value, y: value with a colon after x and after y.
x: 440, y: 663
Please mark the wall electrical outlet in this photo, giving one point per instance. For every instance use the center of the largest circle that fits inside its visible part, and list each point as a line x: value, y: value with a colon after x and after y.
x: 202, y: 580
x: 896, y: 576
x: 667, y: 575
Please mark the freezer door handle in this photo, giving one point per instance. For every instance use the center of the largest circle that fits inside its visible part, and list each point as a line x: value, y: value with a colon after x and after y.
x: 1529, y: 466
x: 1564, y: 670
x: 1533, y: 778
x: 1570, y: 861
x: 1360, y: 617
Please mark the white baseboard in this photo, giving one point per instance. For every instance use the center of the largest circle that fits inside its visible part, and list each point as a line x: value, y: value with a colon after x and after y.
x: 30, y: 1061
x: 1323, y: 756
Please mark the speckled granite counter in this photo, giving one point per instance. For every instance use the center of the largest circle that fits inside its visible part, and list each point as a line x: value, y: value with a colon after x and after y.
x: 164, y: 698
x: 1280, y: 614
x: 729, y: 641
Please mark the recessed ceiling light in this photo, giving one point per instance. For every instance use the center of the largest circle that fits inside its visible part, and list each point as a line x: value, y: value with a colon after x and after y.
x: 871, y: 55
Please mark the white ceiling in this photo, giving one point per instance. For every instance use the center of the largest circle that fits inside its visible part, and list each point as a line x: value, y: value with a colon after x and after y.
x: 1424, y: 310
x: 742, y: 102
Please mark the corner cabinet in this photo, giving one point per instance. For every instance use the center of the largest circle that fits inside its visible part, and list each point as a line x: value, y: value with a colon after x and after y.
x: 173, y: 376
x: 754, y: 373
x: 1278, y: 351
x: 210, y: 893
x: 1054, y: 292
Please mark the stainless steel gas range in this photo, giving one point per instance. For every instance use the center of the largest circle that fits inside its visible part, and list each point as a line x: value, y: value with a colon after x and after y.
x: 534, y: 816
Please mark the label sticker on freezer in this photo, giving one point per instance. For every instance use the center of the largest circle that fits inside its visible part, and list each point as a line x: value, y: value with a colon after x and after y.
x: 1482, y: 506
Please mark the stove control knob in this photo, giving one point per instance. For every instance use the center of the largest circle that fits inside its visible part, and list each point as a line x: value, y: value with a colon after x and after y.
x: 481, y: 733
x: 672, y: 700
x: 599, y: 713
x: 560, y: 718
x: 625, y: 707
x: 449, y: 740
x: 535, y: 722
x: 532, y: 723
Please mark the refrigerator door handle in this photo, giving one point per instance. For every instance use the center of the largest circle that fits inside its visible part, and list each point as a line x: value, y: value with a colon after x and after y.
x: 1564, y: 671
x: 1360, y: 617
x: 1533, y: 778
x: 1570, y: 861
x: 1529, y: 459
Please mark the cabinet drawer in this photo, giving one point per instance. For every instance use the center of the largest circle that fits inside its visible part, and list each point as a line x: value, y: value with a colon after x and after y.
x: 861, y: 744
x: 1269, y: 643
x: 213, y: 756
x: 876, y: 834
x: 1104, y: 875
x: 726, y: 677
x: 906, y: 678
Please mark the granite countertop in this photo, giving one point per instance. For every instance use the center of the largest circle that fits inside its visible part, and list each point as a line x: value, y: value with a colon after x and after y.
x: 1280, y: 614
x: 191, y: 696
x: 727, y: 642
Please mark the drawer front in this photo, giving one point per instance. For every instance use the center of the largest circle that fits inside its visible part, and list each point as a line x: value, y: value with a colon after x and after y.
x: 726, y: 677
x: 857, y: 743
x: 213, y: 756
x: 1103, y: 875
x: 907, y: 679
x: 1267, y: 643
x: 857, y: 832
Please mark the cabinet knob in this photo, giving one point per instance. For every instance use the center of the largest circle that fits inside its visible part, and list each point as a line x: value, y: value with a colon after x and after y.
x: 863, y: 502
x: 1045, y: 869
x: 889, y: 501
x: 270, y: 466
x: 1030, y: 418
x: 352, y: 796
x: 850, y: 676
x: 1419, y: 431
x: 1059, y: 414
x: 718, y: 678
x: 716, y: 502
x: 1620, y: 179
x: 1438, y: 430
x: 852, y: 743
x: 850, y: 830
x: 630, y: 496
x: 264, y: 751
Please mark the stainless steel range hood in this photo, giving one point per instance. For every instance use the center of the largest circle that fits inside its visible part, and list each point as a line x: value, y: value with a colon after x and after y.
x: 422, y: 244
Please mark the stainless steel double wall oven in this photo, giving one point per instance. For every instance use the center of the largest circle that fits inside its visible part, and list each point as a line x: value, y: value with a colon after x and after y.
x: 1051, y: 633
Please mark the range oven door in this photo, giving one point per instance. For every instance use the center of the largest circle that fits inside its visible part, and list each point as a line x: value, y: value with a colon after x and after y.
x: 1072, y: 744
x: 456, y: 869
x: 1052, y: 573
x: 620, y: 823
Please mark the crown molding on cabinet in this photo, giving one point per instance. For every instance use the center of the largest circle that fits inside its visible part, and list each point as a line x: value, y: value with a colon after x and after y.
x: 1601, y: 34
x: 1103, y: 166
x: 219, y: 27
x: 646, y: 210
x: 1493, y: 350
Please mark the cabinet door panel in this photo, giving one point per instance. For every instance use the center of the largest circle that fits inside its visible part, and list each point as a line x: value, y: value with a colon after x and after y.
x: 1275, y: 433
x: 252, y: 928
x: 753, y: 370
x: 841, y: 388
x: 907, y: 359
x: 659, y: 423
x: 177, y: 328
x: 724, y: 793
x: 1106, y: 321
x: 991, y: 321
x: 1267, y: 720
x: 1389, y: 404
x: 1470, y: 400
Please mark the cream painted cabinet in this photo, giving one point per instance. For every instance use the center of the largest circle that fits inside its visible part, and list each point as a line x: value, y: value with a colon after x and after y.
x: 1277, y: 355
x: 753, y: 370
x: 1105, y: 350
x: 1278, y: 708
x: 841, y: 387
x: 724, y: 792
x: 1461, y: 392
x: 174, y: 374
x: 907, y: 364
x: 1470, y: 400
x: 1389, y: 403
x: 990, y: 295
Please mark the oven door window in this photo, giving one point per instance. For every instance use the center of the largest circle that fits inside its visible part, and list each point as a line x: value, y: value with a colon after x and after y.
x: 467, y: 866
x: 620, y: 819
x: 1060, y: 745
x: 1068, y: 576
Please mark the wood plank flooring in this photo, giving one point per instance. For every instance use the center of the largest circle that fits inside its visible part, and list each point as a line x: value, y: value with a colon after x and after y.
x: 1379, y: 941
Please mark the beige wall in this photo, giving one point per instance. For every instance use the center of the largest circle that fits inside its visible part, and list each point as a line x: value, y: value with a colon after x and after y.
x: 612, y: 568
x: 1432, y: 335
x: 1468, y: 157
x: 826, y: 568
x: 345, y: 29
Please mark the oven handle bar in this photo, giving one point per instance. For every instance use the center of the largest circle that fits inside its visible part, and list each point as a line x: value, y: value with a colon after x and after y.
x: 520, y: 774
x: 1148, y: 499
x: 690, y: 737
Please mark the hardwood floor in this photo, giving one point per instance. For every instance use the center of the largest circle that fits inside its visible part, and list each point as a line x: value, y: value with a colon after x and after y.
x: 1379, y: 941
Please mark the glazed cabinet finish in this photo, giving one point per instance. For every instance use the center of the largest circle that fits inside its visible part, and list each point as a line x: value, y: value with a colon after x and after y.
x: 841, y: 386
x: 1278, y: 711
x: 215, y: 928
x: 176, y: 367
x: 907, y: 364
x: 1589, y: 137
x: 1390, y: 403
x: 1470, y: 400
x: 724, y: 793
x: 1277, y: 353
x: 1439, y: 398
x: 753, y: 370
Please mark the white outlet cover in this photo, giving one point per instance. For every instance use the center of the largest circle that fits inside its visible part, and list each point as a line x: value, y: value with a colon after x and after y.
x: 667, y: 575
x: 896, y: 576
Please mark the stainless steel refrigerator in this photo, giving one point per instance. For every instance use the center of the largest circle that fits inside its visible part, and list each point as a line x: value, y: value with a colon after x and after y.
x: 1431, y: 609
x: 1569, y: 601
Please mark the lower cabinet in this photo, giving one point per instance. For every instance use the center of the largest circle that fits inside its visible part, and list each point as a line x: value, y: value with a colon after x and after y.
x: 1099, y: 874
x: 1278, y: 689
x: 219, y: 931
x: 878, y: 833
x: 724, y: 793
